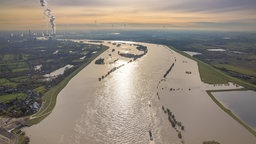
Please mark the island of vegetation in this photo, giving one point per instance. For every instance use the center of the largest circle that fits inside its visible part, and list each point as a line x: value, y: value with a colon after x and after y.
x: 131, y: 56
x: 100, y: 61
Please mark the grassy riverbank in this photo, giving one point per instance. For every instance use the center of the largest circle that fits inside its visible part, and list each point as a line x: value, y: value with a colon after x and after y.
x: 50, y: 96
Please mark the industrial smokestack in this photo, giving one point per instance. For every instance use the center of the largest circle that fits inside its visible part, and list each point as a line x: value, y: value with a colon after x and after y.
x: 49, y: 15
x: 43, y: 3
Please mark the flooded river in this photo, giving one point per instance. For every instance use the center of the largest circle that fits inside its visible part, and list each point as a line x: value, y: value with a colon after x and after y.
x: 124, y: 107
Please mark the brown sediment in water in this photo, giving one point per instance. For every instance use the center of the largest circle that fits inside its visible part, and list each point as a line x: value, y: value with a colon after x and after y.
x: 115, y: 110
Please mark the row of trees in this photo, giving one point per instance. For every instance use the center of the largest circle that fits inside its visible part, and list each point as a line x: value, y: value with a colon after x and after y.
x: 174, y: 123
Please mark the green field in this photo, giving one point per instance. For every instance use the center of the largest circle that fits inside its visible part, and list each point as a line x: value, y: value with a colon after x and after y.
x: 40, y: 89
x: 20, y: 79
x: 6, y: 82
x: 210, y: 75
x: 7, y: 57
x: 13, y: 57
x: 8, y: 97
x: 14, y: 66
x: 236, y: 69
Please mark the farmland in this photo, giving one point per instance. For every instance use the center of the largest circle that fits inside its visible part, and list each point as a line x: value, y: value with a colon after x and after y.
x: 24, y: 66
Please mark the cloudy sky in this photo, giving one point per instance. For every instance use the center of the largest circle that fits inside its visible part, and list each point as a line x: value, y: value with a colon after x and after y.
x: 173, y: 14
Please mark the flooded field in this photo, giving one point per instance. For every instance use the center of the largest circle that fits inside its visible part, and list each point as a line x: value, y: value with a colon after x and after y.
x: 241, y: 103
x: 125, y: 100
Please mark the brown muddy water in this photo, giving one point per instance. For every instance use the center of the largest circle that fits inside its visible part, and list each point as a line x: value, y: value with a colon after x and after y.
x: 127, y: 104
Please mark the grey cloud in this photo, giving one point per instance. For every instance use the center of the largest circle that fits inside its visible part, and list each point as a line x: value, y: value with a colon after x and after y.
x: 212, y: 6
x: 233, y: 25
x: 87, y: 14
x: 81, y: 2
x: 93, y: 14
x: 18, y: 3
x: 154, y: 5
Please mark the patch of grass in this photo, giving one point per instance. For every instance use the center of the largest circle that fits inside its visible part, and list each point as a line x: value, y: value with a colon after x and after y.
x: 230, y: 113
x: 9, y: 97
x: 84, y: 52
x: 236, y: 69
x: 25, y: 56
x: 21, y: 136
x: 40, y: 47
x: 20, y: 69
x: 8, y: 57
x: 50, y: 96
x: 50, y: 60
x: 210, y: 75
x: 20, y: 79
x: 40, y: 89
x: 18, y: 66
x: 6, y: 82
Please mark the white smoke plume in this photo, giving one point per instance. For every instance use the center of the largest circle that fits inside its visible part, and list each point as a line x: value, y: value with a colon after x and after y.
x: 48, y: 14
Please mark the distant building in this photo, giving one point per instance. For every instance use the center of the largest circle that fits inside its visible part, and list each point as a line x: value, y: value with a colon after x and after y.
x: 29, y: 35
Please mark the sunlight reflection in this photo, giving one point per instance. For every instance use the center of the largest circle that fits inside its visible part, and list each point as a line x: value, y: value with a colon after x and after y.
x: 124, y: 88
x: 122, y: 62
